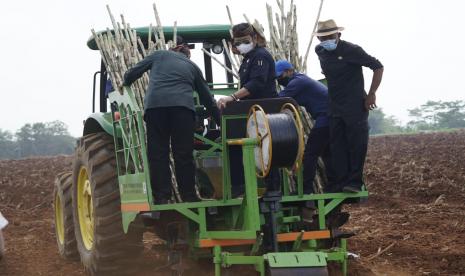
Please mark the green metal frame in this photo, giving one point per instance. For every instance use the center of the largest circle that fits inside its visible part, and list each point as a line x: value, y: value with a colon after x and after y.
x: 244, y: 218
x: 131, y: 154
x: 98, y: 122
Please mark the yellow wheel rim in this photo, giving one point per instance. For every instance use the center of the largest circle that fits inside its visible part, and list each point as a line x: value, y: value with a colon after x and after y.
x: 59, y: 226
x: 300, y: 133
x: 85, y: 208
x: 265, y: 168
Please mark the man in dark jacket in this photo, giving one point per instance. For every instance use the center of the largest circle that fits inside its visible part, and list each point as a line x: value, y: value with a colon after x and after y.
x: 349, y: 104
x: 170, y: 117
x: 312, y: 95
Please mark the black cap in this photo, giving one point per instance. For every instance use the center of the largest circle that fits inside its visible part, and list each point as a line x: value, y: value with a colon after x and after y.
x: 179, y: 40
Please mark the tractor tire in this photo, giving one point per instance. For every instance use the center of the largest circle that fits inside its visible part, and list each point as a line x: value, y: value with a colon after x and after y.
x: 64, y: 223
x: 103, y: 246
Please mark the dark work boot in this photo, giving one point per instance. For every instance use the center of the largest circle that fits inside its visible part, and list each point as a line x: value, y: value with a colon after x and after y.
x: 309, y: 219
x: 160, y: 200
x: 238, y: 191
x: 352, y: 189
x: 190, y: 198
x: 338, y: 219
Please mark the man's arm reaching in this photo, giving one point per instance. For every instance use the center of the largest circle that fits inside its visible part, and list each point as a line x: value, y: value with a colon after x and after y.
x: 138, y: 70
x: 206, y: 98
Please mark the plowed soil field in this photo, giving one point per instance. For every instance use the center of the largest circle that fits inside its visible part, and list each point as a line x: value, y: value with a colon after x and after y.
x: 412, y: 224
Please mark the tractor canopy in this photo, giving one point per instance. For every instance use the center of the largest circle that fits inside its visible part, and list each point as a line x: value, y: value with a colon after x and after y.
x: 190, y: 34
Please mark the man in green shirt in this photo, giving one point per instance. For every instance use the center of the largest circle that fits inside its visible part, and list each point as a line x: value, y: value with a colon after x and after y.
x: 170, y: 117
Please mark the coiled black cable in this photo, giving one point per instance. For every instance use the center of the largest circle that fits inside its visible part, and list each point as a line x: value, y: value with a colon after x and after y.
x: 284, y: 138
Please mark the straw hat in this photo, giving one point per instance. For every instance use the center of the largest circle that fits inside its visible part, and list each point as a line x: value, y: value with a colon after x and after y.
x: 327, y: 27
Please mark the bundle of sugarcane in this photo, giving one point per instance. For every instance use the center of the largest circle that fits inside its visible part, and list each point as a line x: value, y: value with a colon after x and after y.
x: 121, y: 49
x: 283, y: 42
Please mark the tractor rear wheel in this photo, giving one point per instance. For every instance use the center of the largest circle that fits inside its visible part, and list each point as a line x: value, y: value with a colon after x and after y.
x: 64, y: 224
x: 102, y: 244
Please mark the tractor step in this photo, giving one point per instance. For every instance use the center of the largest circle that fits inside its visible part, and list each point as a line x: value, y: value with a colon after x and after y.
x: 295, y: 259
x: 296, y: 263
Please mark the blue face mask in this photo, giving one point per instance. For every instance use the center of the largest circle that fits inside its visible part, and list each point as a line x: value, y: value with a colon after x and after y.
x: 329, y: 45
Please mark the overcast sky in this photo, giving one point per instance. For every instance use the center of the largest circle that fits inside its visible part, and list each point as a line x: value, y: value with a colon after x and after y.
x: 46, y: 68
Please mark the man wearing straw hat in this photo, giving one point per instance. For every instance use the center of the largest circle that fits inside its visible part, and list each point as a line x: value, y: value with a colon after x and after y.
x: 349, y: 104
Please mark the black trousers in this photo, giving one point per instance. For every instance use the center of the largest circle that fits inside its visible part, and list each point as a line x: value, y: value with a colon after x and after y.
x: 175, y: 124
x: 317, y: 146
x: 348, y: 145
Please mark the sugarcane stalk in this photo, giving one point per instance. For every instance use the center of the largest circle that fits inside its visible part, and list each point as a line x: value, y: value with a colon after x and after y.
x: 228, y: 54
x: 246, y: 18
x: 157, y: 41
x: 141, y: 46
x: 237, y: 59
x: 159, y: 27
x: 229, y: 15
x: 220, y: 63
x: 175, y: 31
x: 304, y: 65
x: 113, y: 23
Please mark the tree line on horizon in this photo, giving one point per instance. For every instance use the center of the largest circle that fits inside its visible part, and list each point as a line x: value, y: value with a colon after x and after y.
x: 431, y: 116
x: 37, y: 139
x: 53, y: 138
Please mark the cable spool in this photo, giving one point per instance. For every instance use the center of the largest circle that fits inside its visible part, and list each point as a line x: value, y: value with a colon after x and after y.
x: 280, y: 138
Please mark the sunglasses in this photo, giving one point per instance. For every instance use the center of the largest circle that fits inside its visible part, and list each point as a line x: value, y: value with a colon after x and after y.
x: 235, y: 44
x: 241, y: 40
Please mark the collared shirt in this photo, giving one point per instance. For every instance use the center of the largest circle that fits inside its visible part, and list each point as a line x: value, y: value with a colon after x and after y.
x: 257, y: 74
x: 310, y: 94
x: 172, y: 81
x: 343, y: 71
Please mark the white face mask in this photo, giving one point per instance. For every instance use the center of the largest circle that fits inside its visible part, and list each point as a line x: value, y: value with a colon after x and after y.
x: 245, y: 48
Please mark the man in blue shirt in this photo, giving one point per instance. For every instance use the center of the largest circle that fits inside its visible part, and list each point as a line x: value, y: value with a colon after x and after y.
x: 312, y: 95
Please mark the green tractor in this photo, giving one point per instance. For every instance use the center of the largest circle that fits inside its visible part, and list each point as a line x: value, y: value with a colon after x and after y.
x: 104, y: 205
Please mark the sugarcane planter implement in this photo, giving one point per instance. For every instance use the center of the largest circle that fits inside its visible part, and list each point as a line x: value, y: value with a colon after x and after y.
x: 105, y: 204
